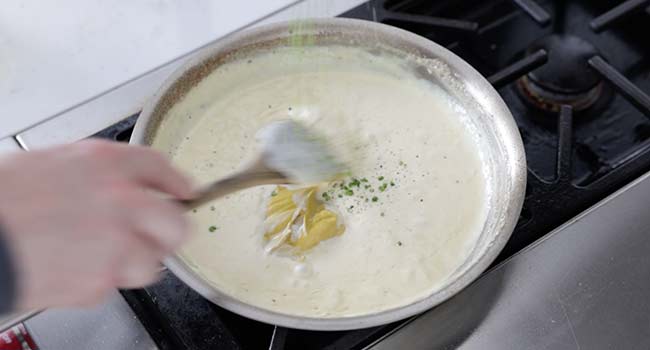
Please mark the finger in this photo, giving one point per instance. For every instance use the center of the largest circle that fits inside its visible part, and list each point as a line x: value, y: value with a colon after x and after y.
x: 138, y: 273
x: 140, y: 264
x: 160, y: 221
x: 152, y: 169
x: 89, y: 300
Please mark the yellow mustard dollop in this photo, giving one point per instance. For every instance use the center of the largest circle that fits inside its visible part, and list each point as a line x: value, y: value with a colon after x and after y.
x: 296, y: 217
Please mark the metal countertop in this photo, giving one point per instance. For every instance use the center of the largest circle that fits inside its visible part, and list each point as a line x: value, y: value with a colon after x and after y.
x: 586, y: 285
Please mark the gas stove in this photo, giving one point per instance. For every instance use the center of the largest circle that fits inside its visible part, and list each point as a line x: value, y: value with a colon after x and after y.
x: 572, y: 73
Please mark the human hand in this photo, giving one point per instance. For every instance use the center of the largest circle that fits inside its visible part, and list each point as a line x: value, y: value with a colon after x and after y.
x: 84, y: 218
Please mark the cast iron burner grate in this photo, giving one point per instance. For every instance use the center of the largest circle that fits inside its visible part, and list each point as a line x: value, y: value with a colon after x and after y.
x: 576, y: 156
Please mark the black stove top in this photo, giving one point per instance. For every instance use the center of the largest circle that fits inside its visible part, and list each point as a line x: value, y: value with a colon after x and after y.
x: 573, y: 74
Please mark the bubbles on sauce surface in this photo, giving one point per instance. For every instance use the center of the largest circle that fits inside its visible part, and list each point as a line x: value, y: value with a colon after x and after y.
x: 303, y: 270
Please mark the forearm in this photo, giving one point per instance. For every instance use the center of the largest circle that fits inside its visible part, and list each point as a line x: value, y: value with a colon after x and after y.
x: 7, y: 277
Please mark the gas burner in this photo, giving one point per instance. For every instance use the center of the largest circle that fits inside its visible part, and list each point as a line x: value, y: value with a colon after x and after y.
x: 567, y: 78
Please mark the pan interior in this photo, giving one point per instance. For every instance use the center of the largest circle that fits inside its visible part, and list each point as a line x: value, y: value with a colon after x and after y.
x: 412, y: 211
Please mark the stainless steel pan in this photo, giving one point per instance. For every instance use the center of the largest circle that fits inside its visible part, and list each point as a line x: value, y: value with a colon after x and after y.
x: 498, y: 134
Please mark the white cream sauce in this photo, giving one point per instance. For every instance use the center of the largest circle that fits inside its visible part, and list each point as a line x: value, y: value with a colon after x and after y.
x: 380, y: 118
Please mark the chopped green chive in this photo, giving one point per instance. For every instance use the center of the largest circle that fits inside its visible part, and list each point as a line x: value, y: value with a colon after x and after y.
x: 212, y: 228
x: 342, y: 188
x: 274, y: 193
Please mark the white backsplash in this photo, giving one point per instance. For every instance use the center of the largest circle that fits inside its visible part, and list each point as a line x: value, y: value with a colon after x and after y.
x: 56, y: 55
